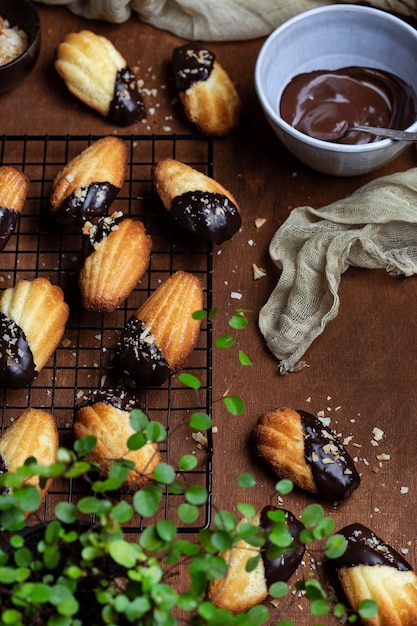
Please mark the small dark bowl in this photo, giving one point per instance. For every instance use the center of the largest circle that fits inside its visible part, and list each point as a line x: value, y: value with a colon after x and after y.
x: 23, y: 14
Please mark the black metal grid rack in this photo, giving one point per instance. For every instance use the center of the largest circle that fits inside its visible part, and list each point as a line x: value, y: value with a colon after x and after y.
x: 83, y: 360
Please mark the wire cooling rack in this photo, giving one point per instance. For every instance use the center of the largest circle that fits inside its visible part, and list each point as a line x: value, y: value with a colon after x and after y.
x: 82, y: 362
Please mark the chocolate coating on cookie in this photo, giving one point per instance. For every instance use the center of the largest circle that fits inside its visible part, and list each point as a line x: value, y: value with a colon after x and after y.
x: 280, y: 569
x: 117, y: 398
x: 366, y: 548
x: 17, y: 367
x: 140, y: 357
x: 8, y: 220
x: 96, y: 233
x: 91, y: 201
x: 334, y: 471
x: 211, y: 216
x: 127, y: 105
x: 191, y: 64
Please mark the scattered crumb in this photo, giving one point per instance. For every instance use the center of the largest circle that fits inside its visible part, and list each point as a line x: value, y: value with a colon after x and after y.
x: 260, y: 221
x: 200, y: 439
x: 404, y: 490
x: 377, y: 433
x: 258, y: 272
x: 235, y: 295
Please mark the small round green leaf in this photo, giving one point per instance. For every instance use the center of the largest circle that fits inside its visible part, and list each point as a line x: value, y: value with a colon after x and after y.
x: 312, y: 515
x: 123, y: 552
x: 246, y: 509
x: 164, y: 473
x: 66, y: 512
x: 279, y: 590
x: 188, y: 513
x: 187, y: 462
x: 284, y: 486
x: 246, y: 480
x: 224, y: 341
x: 335, y: 546
x: 84, y: 445
x: 200, y: 421
x: 368, y: 609
x: 138, y: 420
x: 234, y: 404
x: 238, y: 321
x: 189, y: 380
x: 146, y: 501
x: 244, y: 359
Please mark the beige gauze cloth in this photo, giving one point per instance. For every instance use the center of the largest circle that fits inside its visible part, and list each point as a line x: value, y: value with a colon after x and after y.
x: 375, y: 227
x: 213, y: 20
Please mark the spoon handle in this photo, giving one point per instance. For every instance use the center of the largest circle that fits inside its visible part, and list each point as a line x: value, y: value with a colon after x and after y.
x: 390, y: 133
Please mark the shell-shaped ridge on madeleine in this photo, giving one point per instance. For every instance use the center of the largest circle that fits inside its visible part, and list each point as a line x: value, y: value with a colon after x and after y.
x: 111, y: 427
x: 40, y: 310
x: 102, y: 162
x: 115, y: 265
x: 88, y: 64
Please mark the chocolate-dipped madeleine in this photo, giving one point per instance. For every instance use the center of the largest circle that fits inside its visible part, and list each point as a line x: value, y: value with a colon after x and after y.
x: 105, y: 415
x: 87, y: 185
x: 208, y: 95
x: 14, y: 186
x: 33, y: 434
x: 95, y: 72
x: 240, y: 589
x: 158, y: 338
x: 371, y: 569
x: 117, y: 252
x: 298, y: 446
x: 199, y: 203
x: 33, y: 315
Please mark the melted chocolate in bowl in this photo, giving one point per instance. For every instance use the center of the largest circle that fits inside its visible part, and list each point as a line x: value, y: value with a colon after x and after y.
x: 324, y: 103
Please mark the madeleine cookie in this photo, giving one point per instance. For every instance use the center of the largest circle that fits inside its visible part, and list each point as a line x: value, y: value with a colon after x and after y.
x: 240, y: 590
x: 209, y: 97
x: 158, y: 338
x: 370, y: 569
x: 96, y: 73
x: 14, y: 186
x: 117, y: 253
x: 199, y: 203
x: 87, y: 185
x: 33, y: 315
x: 298, y: 446
x: 105, y: 415
x: 33, y: 434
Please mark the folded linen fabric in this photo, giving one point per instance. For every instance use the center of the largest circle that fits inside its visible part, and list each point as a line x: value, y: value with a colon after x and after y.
x: 375, y: 227
x: 213, y: 20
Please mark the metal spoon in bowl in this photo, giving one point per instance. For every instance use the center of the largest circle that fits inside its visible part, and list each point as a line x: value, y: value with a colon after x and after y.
x: 389, y: 133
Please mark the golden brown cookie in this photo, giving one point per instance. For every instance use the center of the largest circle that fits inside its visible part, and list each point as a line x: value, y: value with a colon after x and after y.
x: 33, y: 434
x: 87, y: 185
x: 209, y: 97
x: 197, y: 202
x: 14, y: 186
x: 33, y: 315
x: 370, y: 569
x: 96, y: 73
x: 298, y: 446
x: 240, y: 589
x: 117, y: 253
x: 106, y: 417
x: 158, y: 338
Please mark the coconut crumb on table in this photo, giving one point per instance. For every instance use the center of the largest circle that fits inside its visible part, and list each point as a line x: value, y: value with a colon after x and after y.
x: 13, y: 42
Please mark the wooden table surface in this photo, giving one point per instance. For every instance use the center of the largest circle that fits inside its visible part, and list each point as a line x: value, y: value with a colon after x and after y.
x: 361, y: 370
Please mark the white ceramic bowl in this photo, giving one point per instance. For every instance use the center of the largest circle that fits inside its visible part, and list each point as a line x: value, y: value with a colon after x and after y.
x: 332, y: 37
